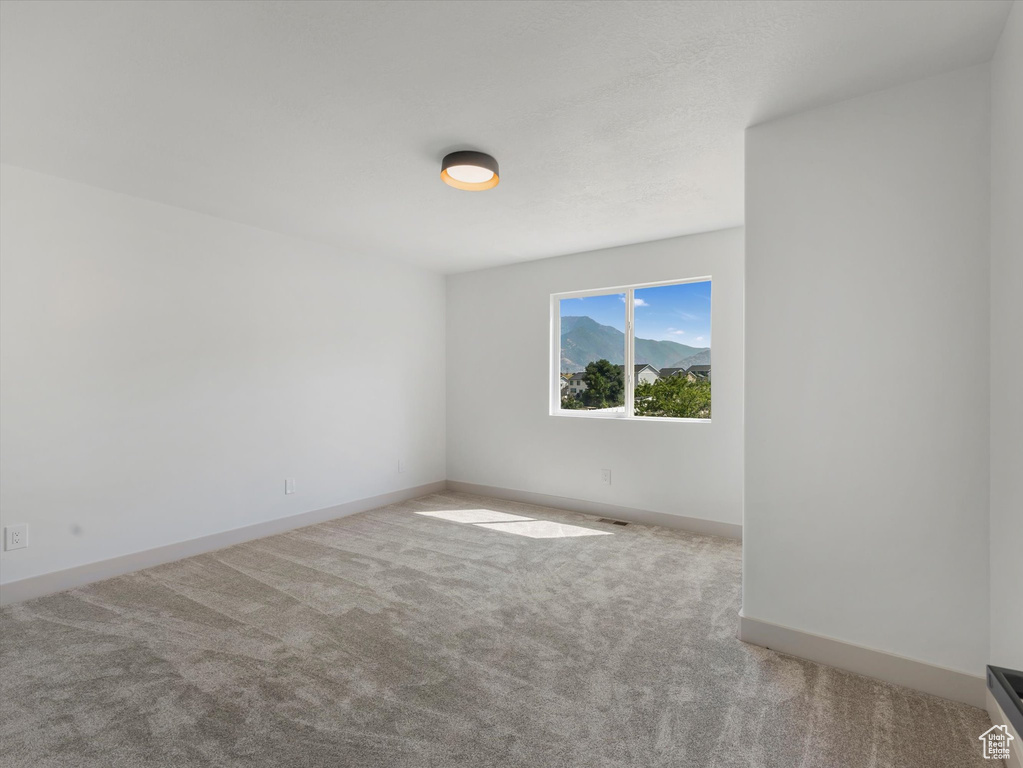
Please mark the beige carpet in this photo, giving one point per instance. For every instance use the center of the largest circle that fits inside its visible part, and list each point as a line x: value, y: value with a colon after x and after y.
x: 451, y: 638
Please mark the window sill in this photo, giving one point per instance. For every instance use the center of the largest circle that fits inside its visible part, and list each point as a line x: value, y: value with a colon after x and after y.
x: 623, y: 417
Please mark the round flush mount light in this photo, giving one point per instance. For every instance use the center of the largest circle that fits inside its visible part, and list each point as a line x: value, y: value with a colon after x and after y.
x: 473, y: 171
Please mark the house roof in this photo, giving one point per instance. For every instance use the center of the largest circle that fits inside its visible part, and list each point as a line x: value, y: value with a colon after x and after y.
x: 666, y: 372
x: 577, y: 377
x: 640, y: 366
x: 699, y: 369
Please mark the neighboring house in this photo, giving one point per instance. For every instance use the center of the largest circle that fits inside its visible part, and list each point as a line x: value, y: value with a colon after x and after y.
x: 696, y: 372
x: 645, y: 374
x: 693, y: 373
x: 576, y: 384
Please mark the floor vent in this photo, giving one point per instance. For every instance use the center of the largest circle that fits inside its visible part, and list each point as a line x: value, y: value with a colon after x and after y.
x: 612, y: 522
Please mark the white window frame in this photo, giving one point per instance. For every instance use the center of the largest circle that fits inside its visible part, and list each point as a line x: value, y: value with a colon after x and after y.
x: 554, y: 375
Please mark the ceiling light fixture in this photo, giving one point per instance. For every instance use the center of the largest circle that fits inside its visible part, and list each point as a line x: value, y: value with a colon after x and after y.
x: 474, y: 171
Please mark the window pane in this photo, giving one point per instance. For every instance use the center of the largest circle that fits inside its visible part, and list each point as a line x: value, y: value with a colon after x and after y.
x: 593, y: 353
x: 672, y: 351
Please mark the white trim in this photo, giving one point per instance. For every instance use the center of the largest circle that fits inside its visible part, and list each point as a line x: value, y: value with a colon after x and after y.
x: 629, y: 370
x: 600, y: 509
x: 880, y: 665
x: 616, y: 289
x: 622, y: 417
x: 80, y: 575
x: 998, y: 718
x: 554, y: 375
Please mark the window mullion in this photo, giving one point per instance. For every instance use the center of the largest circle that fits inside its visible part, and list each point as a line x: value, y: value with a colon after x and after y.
x: 630, y: 352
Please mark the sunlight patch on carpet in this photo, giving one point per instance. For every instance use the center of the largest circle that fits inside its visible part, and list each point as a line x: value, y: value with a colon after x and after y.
x: 543, y: 529
x: 473, y: 516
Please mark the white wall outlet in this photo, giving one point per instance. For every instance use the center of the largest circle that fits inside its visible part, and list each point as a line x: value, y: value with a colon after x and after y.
x: 16, y: 536
x: 401, y: 465
x: 289, y: 485
x: 605, y: 476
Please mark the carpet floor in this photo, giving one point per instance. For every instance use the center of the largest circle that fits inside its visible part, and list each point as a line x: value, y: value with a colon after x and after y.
x: 452, y: 630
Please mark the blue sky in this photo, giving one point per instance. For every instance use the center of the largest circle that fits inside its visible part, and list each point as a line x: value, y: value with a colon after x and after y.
x: 606, y: 310
x: 666, y: 312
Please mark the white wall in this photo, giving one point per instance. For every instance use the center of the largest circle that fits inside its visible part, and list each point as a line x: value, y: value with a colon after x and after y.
x: 164, y: 371
x: 500, y: 432
x: 1007, y: 345
x: 867, y: 236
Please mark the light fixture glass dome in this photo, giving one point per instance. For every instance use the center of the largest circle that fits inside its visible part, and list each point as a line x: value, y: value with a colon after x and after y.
x: 473, y: 171
x: 470, y: 174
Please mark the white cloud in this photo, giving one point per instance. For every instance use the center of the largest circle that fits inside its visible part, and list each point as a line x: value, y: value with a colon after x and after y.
x: 678, y: 333
x: 699, y: 338
x: 641, y: 303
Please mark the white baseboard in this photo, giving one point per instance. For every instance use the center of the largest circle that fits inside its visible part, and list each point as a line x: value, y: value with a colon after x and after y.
x: 880, y: 665
x: 600, y: 509
x: 998, y: 718
x: 79, y: 575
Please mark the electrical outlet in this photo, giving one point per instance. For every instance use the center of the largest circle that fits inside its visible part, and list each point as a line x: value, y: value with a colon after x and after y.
x: 289, y: 485
x: 16, y: 536
x: 401, y: 465
x: 605, y: 476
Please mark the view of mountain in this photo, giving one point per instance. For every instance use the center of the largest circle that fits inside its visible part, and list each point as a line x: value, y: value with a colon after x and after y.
x: 584, y: 340
x: 700, y: 358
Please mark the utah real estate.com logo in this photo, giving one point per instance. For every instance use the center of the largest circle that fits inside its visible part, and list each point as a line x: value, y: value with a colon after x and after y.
x: 996, y: 742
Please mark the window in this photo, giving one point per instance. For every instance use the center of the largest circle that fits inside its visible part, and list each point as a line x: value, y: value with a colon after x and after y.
x: 638, y: 352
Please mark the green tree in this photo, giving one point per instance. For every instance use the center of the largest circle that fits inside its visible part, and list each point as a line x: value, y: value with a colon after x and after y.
x: 675, y: 397
x: 605, y: 385
x: 571, y: 403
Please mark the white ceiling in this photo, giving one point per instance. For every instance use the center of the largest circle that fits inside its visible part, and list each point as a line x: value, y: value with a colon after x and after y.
x: 614, y: 122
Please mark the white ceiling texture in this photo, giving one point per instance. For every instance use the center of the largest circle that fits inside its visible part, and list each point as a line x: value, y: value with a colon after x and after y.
x: 613, y: 122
